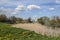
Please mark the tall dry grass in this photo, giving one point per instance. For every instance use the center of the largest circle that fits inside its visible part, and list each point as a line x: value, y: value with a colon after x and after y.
x: 38, y: 28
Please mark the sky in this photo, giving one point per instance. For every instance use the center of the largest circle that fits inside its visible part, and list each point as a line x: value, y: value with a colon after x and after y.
x: 30, y: 8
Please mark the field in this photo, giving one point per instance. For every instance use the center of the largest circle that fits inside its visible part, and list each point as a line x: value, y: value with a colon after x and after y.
x: 40, y: 29
x: 7, y: 32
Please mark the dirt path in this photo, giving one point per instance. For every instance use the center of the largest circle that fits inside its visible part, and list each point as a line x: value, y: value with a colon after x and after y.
x: 38, y: 28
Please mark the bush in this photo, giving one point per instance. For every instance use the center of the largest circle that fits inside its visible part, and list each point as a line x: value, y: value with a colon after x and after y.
x: 53, y: 22
x: 29, y: 20
x: 3, y: 18
x: 43, y: 20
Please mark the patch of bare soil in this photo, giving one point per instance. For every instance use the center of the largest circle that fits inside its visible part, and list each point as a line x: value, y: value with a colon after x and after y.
x: 38, y: 28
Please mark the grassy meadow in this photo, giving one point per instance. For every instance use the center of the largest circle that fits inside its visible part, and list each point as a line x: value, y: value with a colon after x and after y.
x: 11, y: 33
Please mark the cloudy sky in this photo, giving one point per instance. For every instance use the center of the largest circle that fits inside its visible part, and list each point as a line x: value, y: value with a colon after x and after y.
x: 30, y: 8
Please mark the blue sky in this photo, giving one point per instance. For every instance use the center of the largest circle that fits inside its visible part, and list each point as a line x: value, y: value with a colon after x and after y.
x: 30, y: 8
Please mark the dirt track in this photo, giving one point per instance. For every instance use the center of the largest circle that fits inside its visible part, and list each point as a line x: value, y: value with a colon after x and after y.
x: 38, y: 28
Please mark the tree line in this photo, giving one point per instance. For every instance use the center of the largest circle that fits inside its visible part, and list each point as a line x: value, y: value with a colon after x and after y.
x: 54, y: 21
x: 13, y: 19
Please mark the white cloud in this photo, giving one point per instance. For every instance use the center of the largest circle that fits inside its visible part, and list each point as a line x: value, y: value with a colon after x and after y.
x: 19, y: 8
x: 22, y: 8
x: 30, y: 7
x: 51, y: 8
x: 58, y: 1
x: 6, y: 11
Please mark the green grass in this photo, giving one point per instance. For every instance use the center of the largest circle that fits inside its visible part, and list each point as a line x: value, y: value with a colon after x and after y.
x: 10, y: 33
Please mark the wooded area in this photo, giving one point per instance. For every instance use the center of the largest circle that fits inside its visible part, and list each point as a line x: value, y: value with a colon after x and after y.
x: 54, y: 21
